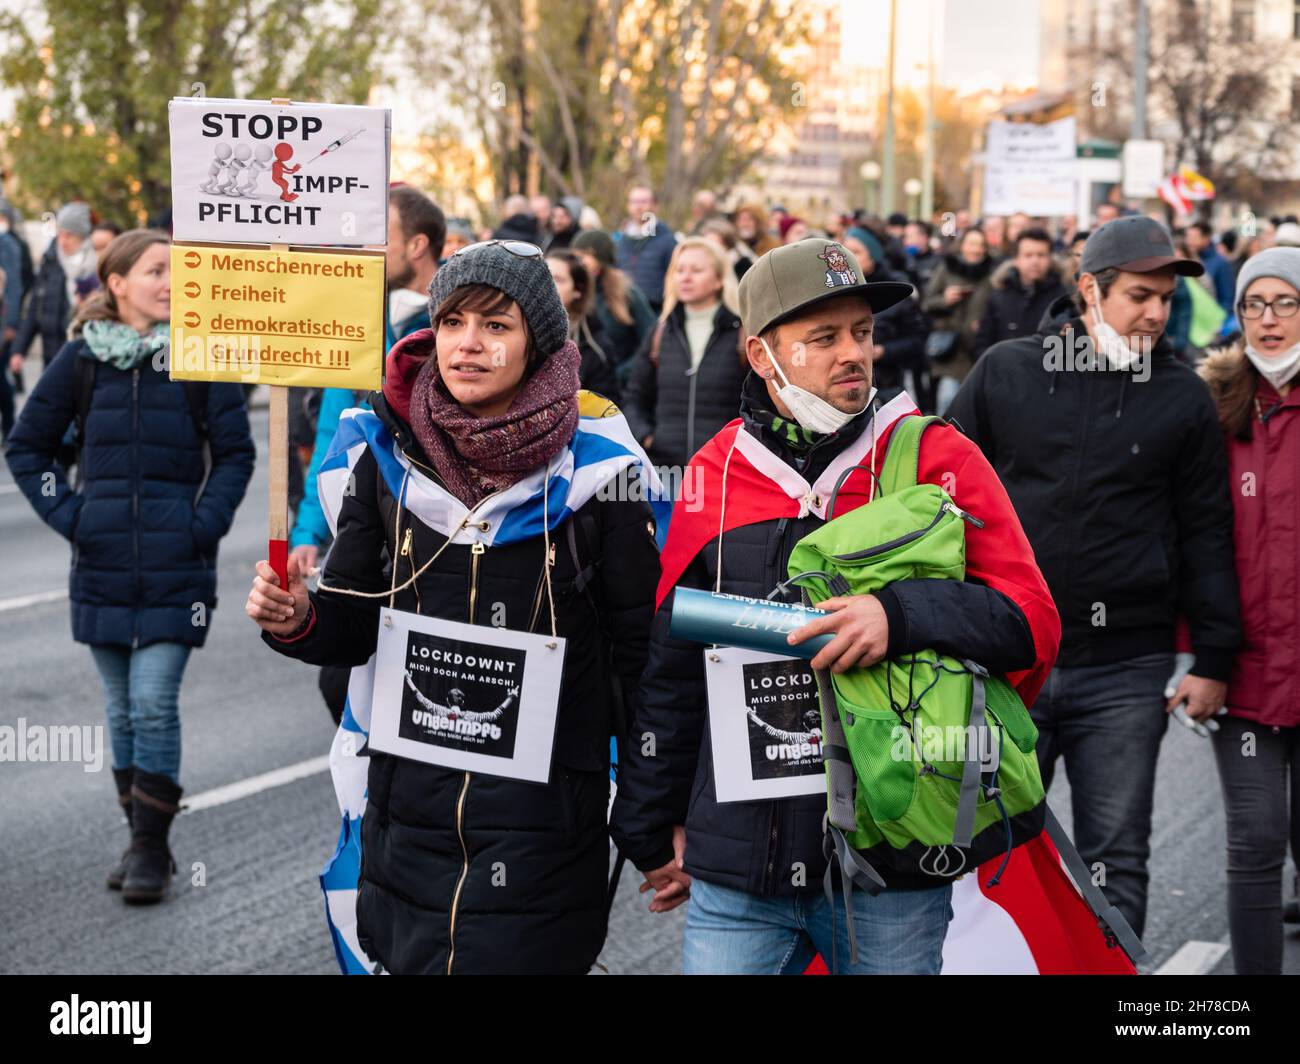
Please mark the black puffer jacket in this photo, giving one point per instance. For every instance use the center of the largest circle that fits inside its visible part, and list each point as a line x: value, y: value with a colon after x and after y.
x: 1121, y: 482
x: 679, y: 408
x: 462, y: 872
x: 771, y: 847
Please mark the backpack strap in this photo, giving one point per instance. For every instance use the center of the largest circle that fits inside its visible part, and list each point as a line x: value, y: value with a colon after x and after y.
x: 903, y: 451
x: 1109, y: 918
x: 83, y: 388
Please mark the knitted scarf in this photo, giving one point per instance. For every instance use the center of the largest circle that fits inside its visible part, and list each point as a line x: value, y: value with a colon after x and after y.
x: 120, y: 345
x: 477, y: 456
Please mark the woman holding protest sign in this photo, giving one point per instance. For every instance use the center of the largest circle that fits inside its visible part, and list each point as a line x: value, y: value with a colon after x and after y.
x: 510, y: 505
x: 162, y: 466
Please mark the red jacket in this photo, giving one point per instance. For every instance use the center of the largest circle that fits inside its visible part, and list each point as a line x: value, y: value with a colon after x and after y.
x: 1264, y: 472
x: 997, y: 554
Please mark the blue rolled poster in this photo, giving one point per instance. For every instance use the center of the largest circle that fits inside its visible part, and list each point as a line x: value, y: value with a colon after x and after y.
x: 738, y: 621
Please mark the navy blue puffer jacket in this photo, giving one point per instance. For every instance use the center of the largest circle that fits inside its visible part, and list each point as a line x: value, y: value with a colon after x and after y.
x: 144, y: 550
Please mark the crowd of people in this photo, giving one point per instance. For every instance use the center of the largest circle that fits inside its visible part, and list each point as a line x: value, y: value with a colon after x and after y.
x: 1121, y: 569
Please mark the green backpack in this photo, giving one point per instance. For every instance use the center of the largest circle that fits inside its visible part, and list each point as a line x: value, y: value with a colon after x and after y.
x: 930, y: 760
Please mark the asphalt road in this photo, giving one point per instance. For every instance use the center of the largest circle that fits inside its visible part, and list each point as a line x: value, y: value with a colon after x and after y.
x: 247, y: 898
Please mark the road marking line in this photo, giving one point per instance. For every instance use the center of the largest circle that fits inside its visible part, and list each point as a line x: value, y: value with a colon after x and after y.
x: 233, y: 792
x: 1194, y: 958
x: 23, y: 601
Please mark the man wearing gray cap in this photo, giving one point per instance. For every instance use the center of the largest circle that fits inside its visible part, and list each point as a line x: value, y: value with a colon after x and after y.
x: 1111, y: 451
x: 753, y: 870
x: 69, y: 258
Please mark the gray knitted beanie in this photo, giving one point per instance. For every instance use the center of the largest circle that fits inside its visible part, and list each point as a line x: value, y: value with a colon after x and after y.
x: 525, y: 279
x: 1283, y: 263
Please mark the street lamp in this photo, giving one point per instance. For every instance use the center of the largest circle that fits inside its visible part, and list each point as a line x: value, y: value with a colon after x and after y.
x: 913, y: 187
x: 870, y: 173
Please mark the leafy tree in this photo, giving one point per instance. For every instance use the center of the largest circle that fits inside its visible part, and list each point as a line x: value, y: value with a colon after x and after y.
x: 92, y: 79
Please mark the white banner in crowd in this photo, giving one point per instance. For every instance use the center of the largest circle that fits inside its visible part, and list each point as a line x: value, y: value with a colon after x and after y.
x: 1030, y: 168
x: 254, y: 172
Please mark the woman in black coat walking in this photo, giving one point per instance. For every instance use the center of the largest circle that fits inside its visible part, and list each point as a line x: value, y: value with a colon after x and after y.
x: 500, y: 465
x: 162, y: 466
x: 686, y: 381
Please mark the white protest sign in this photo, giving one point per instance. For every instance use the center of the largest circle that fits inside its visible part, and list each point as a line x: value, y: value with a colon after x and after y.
x: 254, y: 172
x: 466, y: 696
x: 765, y: 725
x: 1144, y: 167
x: 1030, y: 168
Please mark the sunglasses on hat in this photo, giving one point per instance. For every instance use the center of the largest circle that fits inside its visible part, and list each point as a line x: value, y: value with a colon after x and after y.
x: 520, y: 248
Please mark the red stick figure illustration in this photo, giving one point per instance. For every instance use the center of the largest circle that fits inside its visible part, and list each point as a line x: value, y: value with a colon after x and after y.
x: 283, y: 153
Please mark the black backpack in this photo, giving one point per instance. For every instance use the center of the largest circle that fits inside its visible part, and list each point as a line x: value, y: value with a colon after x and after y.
x: 83, y: 389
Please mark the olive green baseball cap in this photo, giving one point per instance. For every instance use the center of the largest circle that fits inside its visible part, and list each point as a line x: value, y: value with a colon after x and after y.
x: 788, y: 280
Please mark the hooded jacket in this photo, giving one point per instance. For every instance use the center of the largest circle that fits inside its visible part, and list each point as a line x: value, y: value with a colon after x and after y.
x: 1001, y: 615
x: 1121, y: 482
x: 1014, y: 309
x: 431, y: 897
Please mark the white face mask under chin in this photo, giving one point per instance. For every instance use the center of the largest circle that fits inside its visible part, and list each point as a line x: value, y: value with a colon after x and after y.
x: 811, y: 411
x: 1111, y: 343
x: 1279, y: 369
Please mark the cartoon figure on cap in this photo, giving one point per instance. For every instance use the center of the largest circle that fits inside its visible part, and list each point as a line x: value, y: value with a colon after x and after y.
x: 283, y: 153
x: 253, y: 169
x: 220, y: 156
x: 839, y: 271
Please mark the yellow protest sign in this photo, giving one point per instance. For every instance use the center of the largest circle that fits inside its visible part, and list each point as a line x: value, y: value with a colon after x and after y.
x: 280, y: 317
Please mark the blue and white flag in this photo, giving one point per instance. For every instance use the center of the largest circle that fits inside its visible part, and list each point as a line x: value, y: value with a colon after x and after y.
x: 601, y: 449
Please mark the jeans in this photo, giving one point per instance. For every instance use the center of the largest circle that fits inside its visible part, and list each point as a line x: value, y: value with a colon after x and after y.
x: 1255, y: 762
x: 731, y: 932
x: 1107, y: 722
x: 142, y: 687
x: 945, y: 391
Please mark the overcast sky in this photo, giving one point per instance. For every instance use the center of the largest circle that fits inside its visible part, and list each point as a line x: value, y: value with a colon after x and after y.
x: 983, y: 44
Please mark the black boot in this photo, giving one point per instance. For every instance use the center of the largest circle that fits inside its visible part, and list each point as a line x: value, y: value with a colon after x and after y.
x: 155, y: 800
x: 123, y: 777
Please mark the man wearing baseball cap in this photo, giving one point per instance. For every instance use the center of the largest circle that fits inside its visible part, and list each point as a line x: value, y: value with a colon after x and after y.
x: 752, y: 870
x: 1111, y: 451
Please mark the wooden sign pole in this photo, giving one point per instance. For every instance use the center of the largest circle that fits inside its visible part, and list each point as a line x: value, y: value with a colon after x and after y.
x: 278, y: 473
x: 278, y: 476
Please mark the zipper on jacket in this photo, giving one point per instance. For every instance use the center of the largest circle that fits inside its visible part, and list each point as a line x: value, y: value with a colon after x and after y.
x: 464, y: 869
x: 769, y: 875
x: 690, y: 408
x: 475, y: 553
x: 409, y: 554
x: 541, y: 585
x: 135, y: 499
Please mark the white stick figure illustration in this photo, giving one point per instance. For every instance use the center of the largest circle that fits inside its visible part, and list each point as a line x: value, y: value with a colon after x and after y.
x: 217, y: 169
x: 253, y: 169
x: 234, y: 169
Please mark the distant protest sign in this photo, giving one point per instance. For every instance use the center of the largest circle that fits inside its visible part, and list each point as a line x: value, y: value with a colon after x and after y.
x: 246, y: 171
x: 262, y: 316
x: 1030, y: 167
